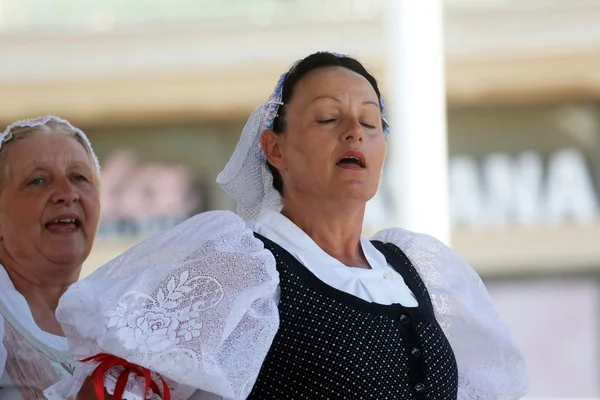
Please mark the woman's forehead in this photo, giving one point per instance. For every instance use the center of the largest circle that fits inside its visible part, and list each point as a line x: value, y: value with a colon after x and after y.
x: 47, y: 149
x: 335, y: 83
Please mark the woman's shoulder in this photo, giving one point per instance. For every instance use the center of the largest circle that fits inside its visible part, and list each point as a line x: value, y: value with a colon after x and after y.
x: 437, y: 264
x: 209, y: 224
x: 397, y: 236
x: 212, y: 233
x: 466, y: 313
x: 415, y: 243
x: 215, y: 220
x: 205, y: 290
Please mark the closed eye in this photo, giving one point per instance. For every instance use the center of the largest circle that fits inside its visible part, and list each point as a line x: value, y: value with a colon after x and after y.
x: 327, y: 121
x: 367, y: 125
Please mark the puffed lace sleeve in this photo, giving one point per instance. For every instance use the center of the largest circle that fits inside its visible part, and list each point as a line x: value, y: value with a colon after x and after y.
x: 196, y: 304
x: 2, y: 348
x: 490, y: 363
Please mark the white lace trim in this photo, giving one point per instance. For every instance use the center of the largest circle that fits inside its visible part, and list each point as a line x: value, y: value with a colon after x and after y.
x: 196, y: 304
x: 490, y: 363
x: 39, y: 121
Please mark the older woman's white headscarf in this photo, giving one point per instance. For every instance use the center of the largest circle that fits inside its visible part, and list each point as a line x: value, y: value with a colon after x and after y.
x: 7, y: 135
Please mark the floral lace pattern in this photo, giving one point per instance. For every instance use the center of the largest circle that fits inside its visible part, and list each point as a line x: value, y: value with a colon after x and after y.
x: 198, y: 305
x: 153, y: 324
x: 195, y: 304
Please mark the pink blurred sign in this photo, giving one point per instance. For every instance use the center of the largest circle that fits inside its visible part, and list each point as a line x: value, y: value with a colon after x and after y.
x: 134, y: 195
x: 557, y: 324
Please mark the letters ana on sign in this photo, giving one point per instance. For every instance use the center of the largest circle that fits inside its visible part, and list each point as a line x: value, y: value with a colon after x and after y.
x: 503, y: 190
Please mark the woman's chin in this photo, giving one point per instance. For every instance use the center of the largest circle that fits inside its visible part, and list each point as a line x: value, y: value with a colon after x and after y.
x: 67, y: 258
x: 355, y: 192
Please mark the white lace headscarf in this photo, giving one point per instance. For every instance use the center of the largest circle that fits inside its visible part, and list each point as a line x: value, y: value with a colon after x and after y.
x: 7, y: 135
x: 246, y: 177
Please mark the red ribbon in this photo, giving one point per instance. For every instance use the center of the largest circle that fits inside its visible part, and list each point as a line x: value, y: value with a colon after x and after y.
x: 107, y: 361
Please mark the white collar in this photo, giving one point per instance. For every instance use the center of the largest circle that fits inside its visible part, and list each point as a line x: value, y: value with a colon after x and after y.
x: 270, y: 220
x: 16, y: 304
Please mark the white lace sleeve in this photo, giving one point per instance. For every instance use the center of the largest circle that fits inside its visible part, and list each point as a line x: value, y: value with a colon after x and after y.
x: 2, y: 348
x: 196, y: 304
x: 490, y: 363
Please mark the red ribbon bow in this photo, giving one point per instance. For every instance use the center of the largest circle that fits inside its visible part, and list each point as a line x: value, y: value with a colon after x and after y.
x: 107, y: 361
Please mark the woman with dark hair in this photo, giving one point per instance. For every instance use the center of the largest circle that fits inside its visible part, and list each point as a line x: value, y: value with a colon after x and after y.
x: 399, y: 316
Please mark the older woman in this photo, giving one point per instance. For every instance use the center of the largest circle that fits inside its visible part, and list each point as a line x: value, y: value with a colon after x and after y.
x: 397, y: 317
x: 49, y: 212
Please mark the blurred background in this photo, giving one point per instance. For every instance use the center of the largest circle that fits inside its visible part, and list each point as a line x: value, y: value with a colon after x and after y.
x: 164, y: 87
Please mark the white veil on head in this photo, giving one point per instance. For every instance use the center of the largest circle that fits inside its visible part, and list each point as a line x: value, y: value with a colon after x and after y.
x: 246, y: 177
x: 7, y: 135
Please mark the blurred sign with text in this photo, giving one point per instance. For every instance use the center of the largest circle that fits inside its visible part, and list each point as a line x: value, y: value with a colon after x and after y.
x: 502, y: 190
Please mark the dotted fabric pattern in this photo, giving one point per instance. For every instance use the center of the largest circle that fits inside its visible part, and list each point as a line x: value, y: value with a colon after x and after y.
x: 439, y: 361
x: 331, y: 345
x: 491, y: 365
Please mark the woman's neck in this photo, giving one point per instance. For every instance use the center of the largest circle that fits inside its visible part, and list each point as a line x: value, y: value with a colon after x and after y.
x: 335, y: 229
x: 42, y: 297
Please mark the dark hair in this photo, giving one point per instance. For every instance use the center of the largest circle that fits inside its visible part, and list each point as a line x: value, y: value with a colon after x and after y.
x: 296, y: 73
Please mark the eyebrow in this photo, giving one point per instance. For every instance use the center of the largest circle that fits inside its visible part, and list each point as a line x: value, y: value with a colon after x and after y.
x: 43, y: 164
x: 339, y: 101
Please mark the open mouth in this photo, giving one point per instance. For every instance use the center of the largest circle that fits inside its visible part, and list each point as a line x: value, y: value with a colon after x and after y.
x: 60, y: 225
x: 351, y: 162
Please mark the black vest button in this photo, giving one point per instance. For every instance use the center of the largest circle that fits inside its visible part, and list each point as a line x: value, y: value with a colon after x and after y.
x: 404, y: 319
x: 416, y: 352
x: 419, y: 387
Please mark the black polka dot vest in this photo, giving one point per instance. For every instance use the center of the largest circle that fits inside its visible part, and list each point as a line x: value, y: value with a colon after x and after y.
x: 332, y: 345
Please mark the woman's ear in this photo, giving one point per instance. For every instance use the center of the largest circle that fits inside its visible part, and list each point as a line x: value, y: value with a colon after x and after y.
x: 271, y: 144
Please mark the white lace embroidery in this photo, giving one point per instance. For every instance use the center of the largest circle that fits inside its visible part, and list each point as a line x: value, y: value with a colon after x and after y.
x: 153, y: 324
x: 196, y: 304
x: 490, y: 363
x: 39, y: 121
x: 246, y: 176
